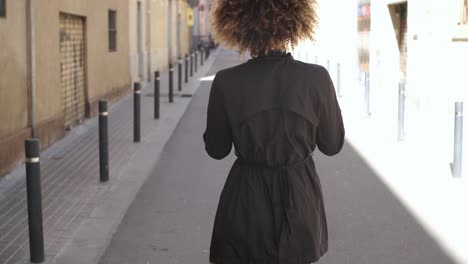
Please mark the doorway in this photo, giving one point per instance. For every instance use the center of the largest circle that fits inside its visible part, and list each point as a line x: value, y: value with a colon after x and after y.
x: 72, y: 68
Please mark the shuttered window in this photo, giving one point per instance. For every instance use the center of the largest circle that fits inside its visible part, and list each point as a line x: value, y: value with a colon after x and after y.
x: 2, y: 8
x: 112, y: 30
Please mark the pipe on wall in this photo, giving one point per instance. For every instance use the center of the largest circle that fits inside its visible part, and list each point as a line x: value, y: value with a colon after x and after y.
x: 169, y: 22
x: 31, y: 67
x: 148, y: 38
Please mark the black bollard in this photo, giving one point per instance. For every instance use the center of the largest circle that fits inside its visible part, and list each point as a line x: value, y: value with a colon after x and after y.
x: 196, y: 61
x: 191, y: 65
x: 201, y: 55
x: 186, y: 68
x: 401, y: 110
x: 136, y: 112
x: 33, y: 190
x: 367, y: 93
x: 179, y: 75
x: 103, y: 142
x: 157, y: 83
x: 458, y: 140
x: 171, y: 83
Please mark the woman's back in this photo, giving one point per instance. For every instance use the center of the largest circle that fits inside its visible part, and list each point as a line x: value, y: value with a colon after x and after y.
x: 275, y: 111
x: 274, y: 105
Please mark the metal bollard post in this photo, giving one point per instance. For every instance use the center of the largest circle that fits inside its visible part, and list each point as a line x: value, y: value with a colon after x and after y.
x: 201, y: 55
x: 191, y: 64
x: 136, y: 112
x: 401, y: 110
x: 103, y: 142
x: 338, y: 79
x: 179, y: 75
x: 367, y: 94
x: 33, y: 190
x: 157, y: 83
x: 196, y: 61
x: 458, y: 140
x: 186, y: 68
x: 171, y: 83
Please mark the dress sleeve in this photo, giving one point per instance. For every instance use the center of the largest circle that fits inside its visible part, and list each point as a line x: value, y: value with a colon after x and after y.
x: 330, y: 130
x: 218, y: 135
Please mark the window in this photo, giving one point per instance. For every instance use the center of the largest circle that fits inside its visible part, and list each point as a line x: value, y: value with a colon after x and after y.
x: 2, y: 8
x: 112, y: 30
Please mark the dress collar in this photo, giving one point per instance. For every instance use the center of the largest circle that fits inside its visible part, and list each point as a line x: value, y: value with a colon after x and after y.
x: 273, y: 55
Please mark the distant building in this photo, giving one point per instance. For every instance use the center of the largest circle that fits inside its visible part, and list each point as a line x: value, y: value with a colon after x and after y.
x: 159, y: 34
x: 364, y: 26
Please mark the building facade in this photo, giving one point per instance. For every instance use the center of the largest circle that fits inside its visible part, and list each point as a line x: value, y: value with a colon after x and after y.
x: 59, y: 57
x: 159, y: 35
x: 425, y: 45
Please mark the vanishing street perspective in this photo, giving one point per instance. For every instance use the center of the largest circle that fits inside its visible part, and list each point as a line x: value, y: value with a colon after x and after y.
x: 103, y: 108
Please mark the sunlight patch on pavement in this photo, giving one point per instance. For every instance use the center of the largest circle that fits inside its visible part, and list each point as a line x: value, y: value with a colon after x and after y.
x: 207, y: 78
x: 423, y: 185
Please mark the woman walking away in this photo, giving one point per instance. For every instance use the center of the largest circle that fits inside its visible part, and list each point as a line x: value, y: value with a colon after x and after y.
x: 276, y: 111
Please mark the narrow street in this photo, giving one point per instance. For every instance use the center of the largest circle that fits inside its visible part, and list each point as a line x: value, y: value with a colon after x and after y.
x: 171, y: 218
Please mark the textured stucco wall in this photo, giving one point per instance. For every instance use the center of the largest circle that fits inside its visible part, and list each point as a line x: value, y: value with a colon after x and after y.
x: 13, y: 69
x: 105, y: 70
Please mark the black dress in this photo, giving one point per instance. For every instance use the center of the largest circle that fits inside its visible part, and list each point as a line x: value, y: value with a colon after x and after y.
x: 275, y: 110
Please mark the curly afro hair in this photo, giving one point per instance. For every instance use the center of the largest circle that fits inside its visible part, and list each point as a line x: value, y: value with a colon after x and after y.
x: 260, y: 26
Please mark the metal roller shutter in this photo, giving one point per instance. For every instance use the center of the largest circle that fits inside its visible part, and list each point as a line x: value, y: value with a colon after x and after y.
x: 72, y: 68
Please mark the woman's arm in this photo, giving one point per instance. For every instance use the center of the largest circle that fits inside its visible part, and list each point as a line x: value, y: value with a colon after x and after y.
x: 218, y: 135
x: 330, y: 130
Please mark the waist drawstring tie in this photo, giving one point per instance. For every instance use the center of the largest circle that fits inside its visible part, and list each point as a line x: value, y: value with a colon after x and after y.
x: 285, y: 188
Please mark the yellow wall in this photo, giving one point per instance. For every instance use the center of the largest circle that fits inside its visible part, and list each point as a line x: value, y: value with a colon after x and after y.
x: 108, y: 74
x: 13, y: 69
x: 159, y: 34
x: 185, y: 29
x: 106, y: 70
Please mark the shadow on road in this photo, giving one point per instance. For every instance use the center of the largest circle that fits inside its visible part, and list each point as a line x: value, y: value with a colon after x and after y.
x: 367, y: 223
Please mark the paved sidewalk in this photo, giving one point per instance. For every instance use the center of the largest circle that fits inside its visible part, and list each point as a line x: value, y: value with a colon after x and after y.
x: 170, y: 221
x: 80, y: 213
